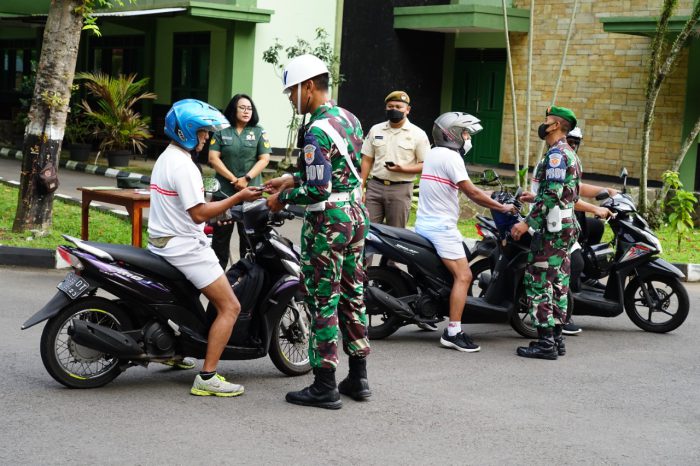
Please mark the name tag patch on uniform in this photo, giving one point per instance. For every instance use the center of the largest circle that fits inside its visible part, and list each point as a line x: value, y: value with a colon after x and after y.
x: 379, y: 137
x: 309, y: 151
x: 555, y: 170
x: 314, y: 173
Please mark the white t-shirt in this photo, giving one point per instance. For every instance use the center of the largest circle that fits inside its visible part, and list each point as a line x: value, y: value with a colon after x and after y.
x: 438, y: 200
x: 176, y: 185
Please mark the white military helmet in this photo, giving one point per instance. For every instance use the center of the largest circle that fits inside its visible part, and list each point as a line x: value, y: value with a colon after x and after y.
x: 448, y: 128
x: 301, y: 68
x: 575, y: 133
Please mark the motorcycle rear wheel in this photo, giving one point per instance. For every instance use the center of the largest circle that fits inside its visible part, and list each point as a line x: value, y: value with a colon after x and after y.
x: 289, y: 345
x: 390, y: 281
x: 77, y: 366
x: 662, y: 289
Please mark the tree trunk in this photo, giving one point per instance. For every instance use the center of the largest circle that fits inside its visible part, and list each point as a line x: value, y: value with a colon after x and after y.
x: 686, y: 145
x: 528, y: 92
x: 512, y: 94
x: 47, y: 115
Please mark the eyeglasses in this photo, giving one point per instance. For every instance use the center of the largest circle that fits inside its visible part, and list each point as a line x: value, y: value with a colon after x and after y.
x: 243, y: 108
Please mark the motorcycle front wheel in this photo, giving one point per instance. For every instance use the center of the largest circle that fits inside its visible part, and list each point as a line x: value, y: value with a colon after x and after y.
x: 657, y: 303
x: 74, y: 365
x: 289, y: 345
x: 382, y: 323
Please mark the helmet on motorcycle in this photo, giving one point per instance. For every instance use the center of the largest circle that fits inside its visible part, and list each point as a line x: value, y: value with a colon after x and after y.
x: 188, y: 116
x: 448, y: 128
x: 301, y: 68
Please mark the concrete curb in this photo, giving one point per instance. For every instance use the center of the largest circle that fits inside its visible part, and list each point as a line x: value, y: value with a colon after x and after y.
x: 83, y: 167
x: 42, y: 257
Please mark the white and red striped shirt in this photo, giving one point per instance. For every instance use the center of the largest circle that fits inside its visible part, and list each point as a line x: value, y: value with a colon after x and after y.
x: 438, y: 201
x: 176, y: 185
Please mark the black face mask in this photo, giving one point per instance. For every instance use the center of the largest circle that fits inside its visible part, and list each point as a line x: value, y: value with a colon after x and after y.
x: 394, y: 115
x: 542, y: 130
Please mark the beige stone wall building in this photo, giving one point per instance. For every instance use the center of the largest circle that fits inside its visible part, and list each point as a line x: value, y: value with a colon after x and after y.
x: 603, y: 81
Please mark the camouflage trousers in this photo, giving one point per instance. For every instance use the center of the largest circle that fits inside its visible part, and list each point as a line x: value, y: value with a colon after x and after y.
x: 332, y: 264
x: 547, y: 278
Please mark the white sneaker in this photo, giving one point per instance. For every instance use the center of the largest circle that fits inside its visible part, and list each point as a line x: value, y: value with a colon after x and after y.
x: 185, y: 363
x: 217, y: 386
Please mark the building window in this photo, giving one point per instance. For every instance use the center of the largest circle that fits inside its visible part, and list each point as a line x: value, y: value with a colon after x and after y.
x: 117, y: 55
x: 191, y: 66
x: 16, y: 63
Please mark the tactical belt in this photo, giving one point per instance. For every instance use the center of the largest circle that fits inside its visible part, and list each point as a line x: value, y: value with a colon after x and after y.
x: 388, y: 182
x: 335, y: 197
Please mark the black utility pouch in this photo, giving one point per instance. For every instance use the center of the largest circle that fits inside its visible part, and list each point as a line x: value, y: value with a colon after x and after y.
x: 537, y: 242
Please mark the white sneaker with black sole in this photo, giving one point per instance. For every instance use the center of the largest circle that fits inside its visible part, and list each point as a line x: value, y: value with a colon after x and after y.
x: 460, y: 342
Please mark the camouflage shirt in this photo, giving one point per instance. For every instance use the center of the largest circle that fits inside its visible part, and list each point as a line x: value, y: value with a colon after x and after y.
x: 322, y: 169
x: 559, y: 173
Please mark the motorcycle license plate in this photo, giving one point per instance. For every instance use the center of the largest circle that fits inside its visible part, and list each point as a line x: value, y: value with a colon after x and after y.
x: 73, y: 286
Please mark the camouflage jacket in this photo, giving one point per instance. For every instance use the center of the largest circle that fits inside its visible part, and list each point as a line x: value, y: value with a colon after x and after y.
x: 559, y: 173
x: 322, y: 169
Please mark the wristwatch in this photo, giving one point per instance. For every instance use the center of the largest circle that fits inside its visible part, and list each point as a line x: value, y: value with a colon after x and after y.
x: 247, y: 178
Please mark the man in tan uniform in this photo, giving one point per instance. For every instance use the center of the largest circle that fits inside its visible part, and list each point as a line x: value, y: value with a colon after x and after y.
x: 392, y: 154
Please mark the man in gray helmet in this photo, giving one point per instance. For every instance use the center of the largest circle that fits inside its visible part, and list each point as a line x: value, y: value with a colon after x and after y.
x: 444, y: 176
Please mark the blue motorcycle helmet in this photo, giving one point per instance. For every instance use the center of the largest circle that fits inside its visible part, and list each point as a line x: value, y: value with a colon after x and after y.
x: 188, y: 116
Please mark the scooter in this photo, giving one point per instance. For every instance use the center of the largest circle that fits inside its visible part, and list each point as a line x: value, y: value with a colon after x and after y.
x: 639, y: 283
x: 420, y: 294
x: 155, y: 313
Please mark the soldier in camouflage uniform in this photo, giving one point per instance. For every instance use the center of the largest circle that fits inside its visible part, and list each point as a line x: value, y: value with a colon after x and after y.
x: 333, y: 234
x: 547, y: 277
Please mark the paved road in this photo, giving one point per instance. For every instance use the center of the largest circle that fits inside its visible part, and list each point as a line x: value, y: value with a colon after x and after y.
x: 621, y: 396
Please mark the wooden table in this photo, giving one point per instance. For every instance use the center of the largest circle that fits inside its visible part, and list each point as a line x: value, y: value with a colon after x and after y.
x: 134, y: 200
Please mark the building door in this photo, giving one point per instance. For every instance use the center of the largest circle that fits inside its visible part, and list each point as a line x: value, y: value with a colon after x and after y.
x: 479, y: 86
x: 190, y: 66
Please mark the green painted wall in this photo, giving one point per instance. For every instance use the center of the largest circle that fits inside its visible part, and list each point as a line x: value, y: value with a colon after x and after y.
x: 481, y: 40
x: 692, y: 113
x: 448, y: 73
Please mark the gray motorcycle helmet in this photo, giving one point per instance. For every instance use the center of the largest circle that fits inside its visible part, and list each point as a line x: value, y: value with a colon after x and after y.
x: 447, y: 129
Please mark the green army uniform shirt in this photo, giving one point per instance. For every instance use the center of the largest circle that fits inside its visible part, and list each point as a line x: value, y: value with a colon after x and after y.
x: 239, y: 152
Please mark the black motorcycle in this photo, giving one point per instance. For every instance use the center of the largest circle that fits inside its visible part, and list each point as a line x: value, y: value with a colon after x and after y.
x: 420, y: 294
x: 640, y: 283
x: 154, y: 313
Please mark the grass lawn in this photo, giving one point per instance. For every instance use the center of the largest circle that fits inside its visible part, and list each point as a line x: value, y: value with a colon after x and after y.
x: 104, y: 227
x: 109, y: 228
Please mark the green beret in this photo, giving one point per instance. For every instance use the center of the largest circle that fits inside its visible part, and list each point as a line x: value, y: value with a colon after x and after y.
x: 399, y: 96
x: 564, y: 113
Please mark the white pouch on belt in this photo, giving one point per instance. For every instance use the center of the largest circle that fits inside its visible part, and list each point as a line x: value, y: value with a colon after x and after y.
x: 554, y: 219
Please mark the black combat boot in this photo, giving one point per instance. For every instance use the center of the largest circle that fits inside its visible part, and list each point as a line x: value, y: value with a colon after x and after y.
x: 559, y: 340
x: 543, y: 348
x: 323, y: 393
x: 355, y: 385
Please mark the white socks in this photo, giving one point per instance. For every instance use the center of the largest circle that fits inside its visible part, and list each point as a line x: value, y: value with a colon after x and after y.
x: 453, y: 328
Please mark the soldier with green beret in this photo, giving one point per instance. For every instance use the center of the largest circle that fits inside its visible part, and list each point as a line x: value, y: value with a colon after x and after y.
x: 556, y: 229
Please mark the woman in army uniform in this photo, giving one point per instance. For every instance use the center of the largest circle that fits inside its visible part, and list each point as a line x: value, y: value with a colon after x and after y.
x: 238, y: 154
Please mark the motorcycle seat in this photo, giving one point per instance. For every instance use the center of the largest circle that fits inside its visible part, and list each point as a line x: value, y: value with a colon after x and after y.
x: 141, y: 258
x: 403, y: 234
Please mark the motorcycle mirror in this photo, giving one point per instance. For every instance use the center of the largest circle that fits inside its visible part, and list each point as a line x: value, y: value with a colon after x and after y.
x: 211, y: 184
x: 489, y: 176
x: 603, y: 194
x: 623, y: 175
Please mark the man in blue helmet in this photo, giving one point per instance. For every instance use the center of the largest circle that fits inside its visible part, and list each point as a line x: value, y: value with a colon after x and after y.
x: 176, y: 228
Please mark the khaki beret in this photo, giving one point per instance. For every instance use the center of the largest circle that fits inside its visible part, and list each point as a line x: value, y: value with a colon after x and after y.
x: 399, y: 96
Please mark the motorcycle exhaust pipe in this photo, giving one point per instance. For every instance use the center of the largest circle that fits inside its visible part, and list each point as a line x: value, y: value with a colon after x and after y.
x: 382, y: 298
x: 104, y: 339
